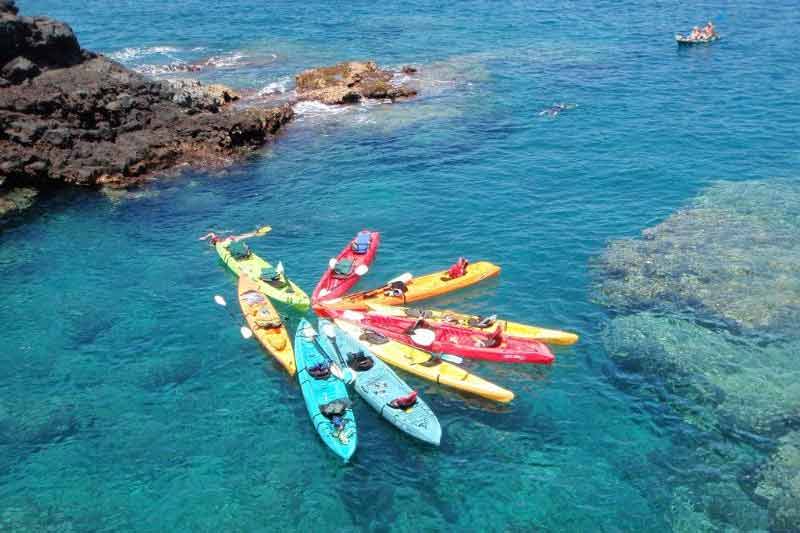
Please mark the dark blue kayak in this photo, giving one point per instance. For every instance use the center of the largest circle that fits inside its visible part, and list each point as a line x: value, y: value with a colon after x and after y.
x: 380, y: 387
x: 325, y: 394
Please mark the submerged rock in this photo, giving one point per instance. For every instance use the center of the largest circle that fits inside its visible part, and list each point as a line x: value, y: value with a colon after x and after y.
x: 71, y: 116
x: 349, y: 82
x: 731, y: 256
x: 731, y: 383
x: 17, y: 199
x: 780, y: 485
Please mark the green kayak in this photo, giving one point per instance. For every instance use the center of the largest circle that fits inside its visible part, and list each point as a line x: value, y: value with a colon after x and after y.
x: 271, y: 281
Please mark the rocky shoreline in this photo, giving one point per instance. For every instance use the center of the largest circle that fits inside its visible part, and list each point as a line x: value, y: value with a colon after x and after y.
x: 72, y: 117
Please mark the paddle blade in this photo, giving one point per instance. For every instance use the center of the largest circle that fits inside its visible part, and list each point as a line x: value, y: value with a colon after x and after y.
x: 423, y: 337
x: 337, y: 372
x: 263, y: 230
x: 354, y: 316
x: 332, y: 263
x: 246, y: 332
x: 452, y: 358
x: 219, y: 300
x: 361, y: 270
x: 405, y: 278
x: 329, y: 332
x: 279, y: 268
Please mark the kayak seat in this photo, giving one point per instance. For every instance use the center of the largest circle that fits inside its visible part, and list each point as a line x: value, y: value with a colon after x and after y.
x: 335, y: 408
x: 396, y: 288
x: 343, y: 269
x: 404, y: 402
x: 373, y: 337
x: 360, y: 362
x: 361, y: 242
x: 320, y: 371
x: 239, y: 250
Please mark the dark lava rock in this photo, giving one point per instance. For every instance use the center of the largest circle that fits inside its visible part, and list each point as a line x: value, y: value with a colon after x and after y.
x: 71, y: 116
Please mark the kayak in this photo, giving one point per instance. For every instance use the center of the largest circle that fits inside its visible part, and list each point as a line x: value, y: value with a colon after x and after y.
x: 513, y: 329
x: 270, y: 281
x: 685, y: 39
x: 424, y: 365
x: 450, y: 339
x: 325, y: 394
x: 380, y: 387
x: 266, y: 323
x: 346, y: 269
x: 411, y: 289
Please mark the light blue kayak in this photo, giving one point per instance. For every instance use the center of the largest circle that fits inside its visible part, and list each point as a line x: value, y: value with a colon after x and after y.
x: 325, y: 394
x: 380, y: 387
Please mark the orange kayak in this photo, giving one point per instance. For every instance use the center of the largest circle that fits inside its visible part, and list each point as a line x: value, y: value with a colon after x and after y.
x: 412, y: 289
x: 266, y: 323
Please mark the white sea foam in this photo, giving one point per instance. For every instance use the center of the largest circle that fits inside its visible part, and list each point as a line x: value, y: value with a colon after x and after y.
x: 316, y: 109
x: 129, y: 54
x: 280, y: 86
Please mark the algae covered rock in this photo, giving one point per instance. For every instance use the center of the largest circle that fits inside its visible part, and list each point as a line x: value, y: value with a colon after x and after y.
x: 349, y: 82
x: 731, y: 256
x: 732, y: 383
x: 780, y: 485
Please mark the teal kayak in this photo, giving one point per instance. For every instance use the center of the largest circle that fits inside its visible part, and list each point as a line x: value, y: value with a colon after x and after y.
x: 325, y: 394
x: 380, y: 387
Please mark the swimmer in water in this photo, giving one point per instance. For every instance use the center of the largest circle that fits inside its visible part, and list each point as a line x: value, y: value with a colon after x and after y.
x: 555, y: 109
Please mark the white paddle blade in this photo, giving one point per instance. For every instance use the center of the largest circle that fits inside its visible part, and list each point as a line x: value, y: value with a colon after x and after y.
x: 329, y: 332
x: 323, y: 293
x: 332, y: 263
x: 452, y: 358
x: 219, y: 300
x: 355, y: 316
x: 405, y: 278
x: 361, y: 270
x: 279, y: 268
x: 423, y: 337
x: 246, y: 332
x: 337, y: 372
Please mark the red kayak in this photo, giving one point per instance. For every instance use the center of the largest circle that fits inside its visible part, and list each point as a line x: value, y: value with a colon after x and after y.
x: 451, y: 339
x: 347, y: 268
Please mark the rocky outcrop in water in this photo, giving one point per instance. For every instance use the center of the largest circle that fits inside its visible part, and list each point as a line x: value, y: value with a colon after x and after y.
x: 68, y: 116
x: 708, y: 306
x: 349, y: 82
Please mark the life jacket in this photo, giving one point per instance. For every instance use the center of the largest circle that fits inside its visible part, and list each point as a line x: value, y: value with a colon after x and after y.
x: 373, y: 337
x: 404, y: 402
x: 360, y: 362
x: 361, y: 242
x: 320, y: 371
x: 458, y: 269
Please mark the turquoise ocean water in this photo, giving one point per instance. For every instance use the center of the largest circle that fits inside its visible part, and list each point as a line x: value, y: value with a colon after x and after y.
x: 128, y: 400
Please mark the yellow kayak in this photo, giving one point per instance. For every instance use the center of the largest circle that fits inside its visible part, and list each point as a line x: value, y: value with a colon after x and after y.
x: 422, y: 364
x: 513, y: 329
x: 413, y: 289
x: 266, y: 323
x: 271, y: 282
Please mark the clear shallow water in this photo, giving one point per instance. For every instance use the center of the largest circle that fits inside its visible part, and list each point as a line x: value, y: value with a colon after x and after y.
x: 128, y: 400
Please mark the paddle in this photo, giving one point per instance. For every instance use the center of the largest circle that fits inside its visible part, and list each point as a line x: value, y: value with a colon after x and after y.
x: 244, y: 330
x: 329, y: 332
x: 311, y: 334
x: 263, y: 230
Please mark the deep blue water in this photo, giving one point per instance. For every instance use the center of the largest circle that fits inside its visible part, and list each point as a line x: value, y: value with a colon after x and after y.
x: 128, y: 401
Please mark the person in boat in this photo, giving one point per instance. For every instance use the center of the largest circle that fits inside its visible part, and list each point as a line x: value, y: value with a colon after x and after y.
x: 709, y: 31
x: 696, y: 34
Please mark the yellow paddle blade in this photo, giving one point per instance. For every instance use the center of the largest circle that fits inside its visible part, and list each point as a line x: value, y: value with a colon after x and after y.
x: 263, y: 230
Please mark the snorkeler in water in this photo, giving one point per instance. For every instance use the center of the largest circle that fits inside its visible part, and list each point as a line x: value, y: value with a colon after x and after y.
x: 555, y: 109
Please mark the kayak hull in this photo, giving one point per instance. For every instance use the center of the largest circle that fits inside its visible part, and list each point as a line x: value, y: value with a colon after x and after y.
x: 513, y: 329
x: 333, y: 286
x: 453, y: 339
x: 289, y: 293
x: 686, y: 40
x: 317, y: 392
x: 421, y: 364
x: 379, y: 385
x: 420, y: 288
x: 275, y: 339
